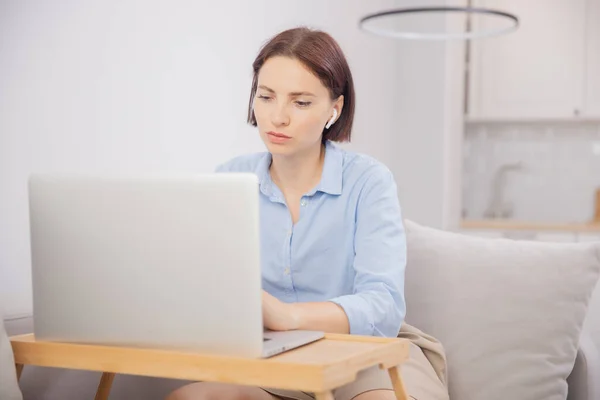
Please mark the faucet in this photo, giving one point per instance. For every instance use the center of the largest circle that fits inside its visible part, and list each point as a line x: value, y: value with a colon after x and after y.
x: 498, y: 207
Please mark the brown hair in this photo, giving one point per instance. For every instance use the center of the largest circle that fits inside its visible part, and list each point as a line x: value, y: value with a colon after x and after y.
x: 321, y: 54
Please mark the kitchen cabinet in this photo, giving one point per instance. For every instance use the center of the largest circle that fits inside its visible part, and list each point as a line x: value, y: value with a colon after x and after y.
x: 538, y: 236
x: 488, y: 234
x: 519, y: 235
x: 545, y: 69
x: 515, y: 230
x: 592, y: 87
x: 551, y: 237
x: 588, y: 237
x: 556, y: 237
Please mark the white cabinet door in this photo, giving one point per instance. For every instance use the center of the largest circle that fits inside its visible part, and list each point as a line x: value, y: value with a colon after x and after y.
x: 592, y: 84
x: 588, y: 237
x: 488, y: 234
x: 556, y: 237
x: 519, y: 235
x: 535, y: 72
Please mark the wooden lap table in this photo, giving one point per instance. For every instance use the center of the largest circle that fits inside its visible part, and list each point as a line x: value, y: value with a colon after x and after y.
x: 319, y: 367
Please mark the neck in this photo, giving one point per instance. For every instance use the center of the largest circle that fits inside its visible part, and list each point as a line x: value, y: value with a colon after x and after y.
x: 298, y: 173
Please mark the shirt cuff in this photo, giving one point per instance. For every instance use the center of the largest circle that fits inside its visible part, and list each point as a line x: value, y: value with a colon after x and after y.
x: 357, y: 311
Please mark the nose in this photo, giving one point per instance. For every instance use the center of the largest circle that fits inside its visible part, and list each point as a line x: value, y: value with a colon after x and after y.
x: 280, y: 116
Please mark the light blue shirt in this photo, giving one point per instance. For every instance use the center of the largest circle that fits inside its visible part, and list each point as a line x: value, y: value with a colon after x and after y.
x: 348, y: 246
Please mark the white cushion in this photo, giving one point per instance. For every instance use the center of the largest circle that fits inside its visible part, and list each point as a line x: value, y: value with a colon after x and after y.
x: 509, y: 313
x: 9, y: 387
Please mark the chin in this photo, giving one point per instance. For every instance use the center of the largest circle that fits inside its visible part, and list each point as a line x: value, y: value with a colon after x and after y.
x: 279, y: 149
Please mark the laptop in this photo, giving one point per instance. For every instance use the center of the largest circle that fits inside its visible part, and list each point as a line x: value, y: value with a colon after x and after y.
x: 151, y: 262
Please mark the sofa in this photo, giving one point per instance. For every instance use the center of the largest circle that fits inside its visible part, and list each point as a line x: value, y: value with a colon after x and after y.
x: 518, y: 320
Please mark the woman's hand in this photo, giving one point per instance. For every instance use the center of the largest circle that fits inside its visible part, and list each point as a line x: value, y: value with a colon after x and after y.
x: 277, y: 315
x: 320, y: 316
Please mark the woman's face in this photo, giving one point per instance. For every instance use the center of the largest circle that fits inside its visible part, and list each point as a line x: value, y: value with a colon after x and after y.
x: 291, y: 106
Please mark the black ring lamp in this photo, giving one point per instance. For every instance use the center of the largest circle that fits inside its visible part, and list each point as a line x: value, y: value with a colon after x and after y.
x: 366, y: 23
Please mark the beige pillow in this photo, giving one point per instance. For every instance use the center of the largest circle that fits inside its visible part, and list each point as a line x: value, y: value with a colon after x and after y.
x: 9, y: 387
x: 509, y: 313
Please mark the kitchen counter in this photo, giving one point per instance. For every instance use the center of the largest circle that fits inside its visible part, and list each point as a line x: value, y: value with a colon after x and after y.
x: 506, y: 225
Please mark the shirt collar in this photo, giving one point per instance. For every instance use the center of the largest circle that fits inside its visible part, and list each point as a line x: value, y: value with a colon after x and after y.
x: 331, y: 177
x: 264, y: 177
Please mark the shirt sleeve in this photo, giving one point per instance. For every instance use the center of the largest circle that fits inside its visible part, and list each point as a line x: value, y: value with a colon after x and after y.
x: 377, y: 306
x: 221, y: 168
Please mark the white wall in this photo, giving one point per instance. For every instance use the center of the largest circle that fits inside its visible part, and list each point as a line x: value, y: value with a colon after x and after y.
x: 418, y: 134
x: 94, y: 86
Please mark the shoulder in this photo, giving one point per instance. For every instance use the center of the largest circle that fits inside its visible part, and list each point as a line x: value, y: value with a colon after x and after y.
x: 243, y: 163
x: 362, y: 169
x: 371, y: 187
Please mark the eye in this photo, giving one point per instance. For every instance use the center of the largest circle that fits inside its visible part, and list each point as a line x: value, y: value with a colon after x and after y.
x: 264, y: 98
x: 303, y: 103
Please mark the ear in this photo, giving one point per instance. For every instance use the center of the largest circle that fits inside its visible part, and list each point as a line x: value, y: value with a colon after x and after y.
x: 339, y: 105
x: 337, y: 111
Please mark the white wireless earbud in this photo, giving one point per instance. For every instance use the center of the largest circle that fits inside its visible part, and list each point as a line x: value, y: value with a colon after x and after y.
x: 332, y: 120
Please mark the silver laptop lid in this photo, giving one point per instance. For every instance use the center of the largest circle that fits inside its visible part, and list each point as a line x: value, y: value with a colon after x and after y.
x: 168, y: 262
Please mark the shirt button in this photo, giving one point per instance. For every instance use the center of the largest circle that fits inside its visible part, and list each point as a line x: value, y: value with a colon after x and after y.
x: 303, y: 202
x: 286, y: 271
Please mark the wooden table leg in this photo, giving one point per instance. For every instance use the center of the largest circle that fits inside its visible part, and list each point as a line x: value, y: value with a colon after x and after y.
x: 328, y: 395
x: 397, y: 383
x: 19, y: 368
x: 104, y: 386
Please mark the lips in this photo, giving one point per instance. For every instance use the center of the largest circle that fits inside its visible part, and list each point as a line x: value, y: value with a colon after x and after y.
x: 279, y: 135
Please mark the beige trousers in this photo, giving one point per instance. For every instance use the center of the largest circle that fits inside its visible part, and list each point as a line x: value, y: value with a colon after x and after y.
x: 424, y: 374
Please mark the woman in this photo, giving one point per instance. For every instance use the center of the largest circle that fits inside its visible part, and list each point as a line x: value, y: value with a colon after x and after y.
x: 333, y: 244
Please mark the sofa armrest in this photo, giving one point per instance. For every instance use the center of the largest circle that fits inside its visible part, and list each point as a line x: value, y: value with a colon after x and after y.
x: 584, y: 381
